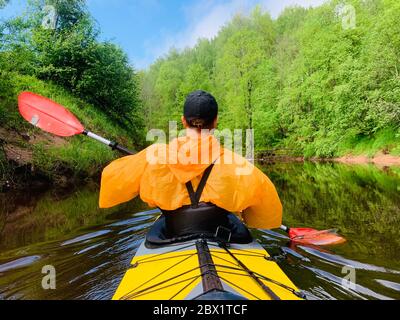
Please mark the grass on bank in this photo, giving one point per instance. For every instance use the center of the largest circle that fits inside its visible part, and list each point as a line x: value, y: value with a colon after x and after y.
x: 386, y: 141
x: 78, y: 153
x: 335, y: 145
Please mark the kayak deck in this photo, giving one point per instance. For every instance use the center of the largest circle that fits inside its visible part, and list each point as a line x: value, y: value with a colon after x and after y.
x: 188, y: 270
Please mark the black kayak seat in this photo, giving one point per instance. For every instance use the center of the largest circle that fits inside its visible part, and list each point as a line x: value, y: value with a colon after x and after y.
x: 199, y: 220
x: 234, y: 232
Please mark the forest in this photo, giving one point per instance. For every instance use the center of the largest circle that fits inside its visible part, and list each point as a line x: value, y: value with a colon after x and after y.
x: 305, y: 82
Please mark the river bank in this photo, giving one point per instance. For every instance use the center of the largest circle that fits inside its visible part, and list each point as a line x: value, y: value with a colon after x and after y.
x: 380, y: 160
x: 33, y: 159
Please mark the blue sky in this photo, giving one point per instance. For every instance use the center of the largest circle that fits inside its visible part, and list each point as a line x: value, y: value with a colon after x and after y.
x: 147, y: 29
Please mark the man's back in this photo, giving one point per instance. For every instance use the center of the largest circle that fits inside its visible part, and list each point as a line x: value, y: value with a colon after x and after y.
x: 160, y: 173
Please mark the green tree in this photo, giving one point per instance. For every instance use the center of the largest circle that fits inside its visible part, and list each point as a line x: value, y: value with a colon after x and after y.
x: 57, y: 41
x: 196, y: 78
x: 71, y: 56
x: 236, y: 72
x: 167, y: 86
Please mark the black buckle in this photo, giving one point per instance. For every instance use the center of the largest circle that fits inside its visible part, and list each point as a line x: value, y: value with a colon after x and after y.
x: 114, y: 146
x: 227, y: 231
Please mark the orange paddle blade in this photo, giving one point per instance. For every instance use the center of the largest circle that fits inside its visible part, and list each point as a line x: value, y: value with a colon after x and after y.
x: 315, y: 237
x: 48, y: 115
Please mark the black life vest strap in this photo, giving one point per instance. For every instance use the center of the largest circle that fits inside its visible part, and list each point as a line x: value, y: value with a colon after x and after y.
x: 196, y: 196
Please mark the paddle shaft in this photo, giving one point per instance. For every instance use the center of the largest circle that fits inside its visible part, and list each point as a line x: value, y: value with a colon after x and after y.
x: 111, y: 144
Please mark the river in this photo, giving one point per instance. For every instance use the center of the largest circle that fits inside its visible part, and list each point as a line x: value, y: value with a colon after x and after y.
x: 92, y: 248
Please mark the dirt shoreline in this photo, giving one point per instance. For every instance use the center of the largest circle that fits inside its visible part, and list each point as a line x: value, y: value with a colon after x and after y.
x: 380, y: 159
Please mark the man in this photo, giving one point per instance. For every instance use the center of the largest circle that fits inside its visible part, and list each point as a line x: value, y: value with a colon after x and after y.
x: 195, y: 162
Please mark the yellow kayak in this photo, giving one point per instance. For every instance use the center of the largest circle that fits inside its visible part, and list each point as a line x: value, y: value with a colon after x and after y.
x: 204, y: 268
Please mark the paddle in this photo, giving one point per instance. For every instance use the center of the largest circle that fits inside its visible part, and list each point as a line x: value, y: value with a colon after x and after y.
x: 56, y: 119
x: 314, y: 237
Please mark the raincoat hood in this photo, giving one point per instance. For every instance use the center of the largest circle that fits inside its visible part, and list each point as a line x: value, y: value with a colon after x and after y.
x: 190, y: 156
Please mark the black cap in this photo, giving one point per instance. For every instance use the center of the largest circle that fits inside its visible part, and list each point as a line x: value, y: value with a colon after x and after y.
x: 201, y: 109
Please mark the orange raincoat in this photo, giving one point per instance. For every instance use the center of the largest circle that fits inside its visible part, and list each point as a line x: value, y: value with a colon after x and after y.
x: 159, y: 175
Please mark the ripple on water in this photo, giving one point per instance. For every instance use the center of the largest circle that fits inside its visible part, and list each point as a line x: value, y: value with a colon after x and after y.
x: 90, y: 248
x: 269, y: 239
x: 275, y: 234
x: 148, y: 213
x: 86, y: 237
x: 357, y: 291
x: 134, y: 220
x: 295, y: 254
x: 136, y: 228
x: 389, y: 284
x: 338, y: 260
x: 94, y: 269
x: 19, y: 263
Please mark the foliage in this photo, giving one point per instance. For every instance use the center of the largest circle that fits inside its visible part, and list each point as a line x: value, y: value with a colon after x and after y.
x: 60, y: 57
x: 302, y: 81
x: 79, y: 156
x: 68, y: 53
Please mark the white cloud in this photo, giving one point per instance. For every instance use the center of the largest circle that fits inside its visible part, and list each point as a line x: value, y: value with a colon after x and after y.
x: 206, y: 19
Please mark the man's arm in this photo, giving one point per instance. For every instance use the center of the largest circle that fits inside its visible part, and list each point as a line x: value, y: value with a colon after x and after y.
x: 266, y: 211
x: 120, y: 181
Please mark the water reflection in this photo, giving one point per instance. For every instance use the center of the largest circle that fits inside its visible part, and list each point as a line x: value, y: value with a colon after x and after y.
x: 91, y: 248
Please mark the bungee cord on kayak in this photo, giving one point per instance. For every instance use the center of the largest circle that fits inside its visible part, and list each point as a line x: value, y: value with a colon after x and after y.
x: 234, y: 265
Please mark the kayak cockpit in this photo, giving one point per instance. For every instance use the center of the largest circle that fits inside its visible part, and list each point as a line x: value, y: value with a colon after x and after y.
x: 203, y: 253
x: 207, y: 222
